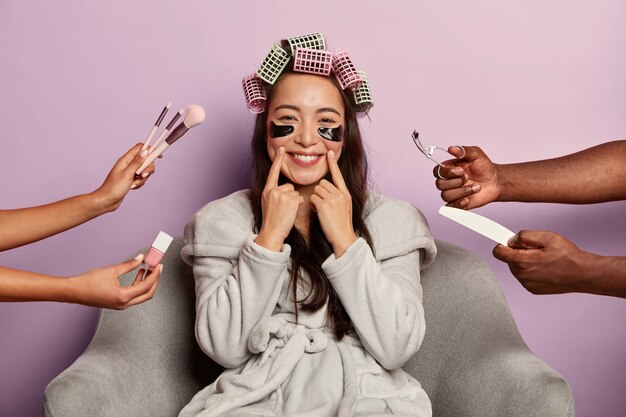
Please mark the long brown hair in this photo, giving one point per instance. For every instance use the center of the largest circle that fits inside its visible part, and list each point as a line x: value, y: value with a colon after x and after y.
x: 309, y: 255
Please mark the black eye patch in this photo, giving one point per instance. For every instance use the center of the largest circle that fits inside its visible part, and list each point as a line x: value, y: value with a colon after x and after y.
x: 277, y: 131
x: 331, y: 133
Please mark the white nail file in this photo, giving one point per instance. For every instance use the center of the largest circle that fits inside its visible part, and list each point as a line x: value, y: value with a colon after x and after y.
x: 479, y: 224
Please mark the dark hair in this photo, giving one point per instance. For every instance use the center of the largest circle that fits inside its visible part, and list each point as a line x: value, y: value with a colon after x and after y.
x: 310, y: 255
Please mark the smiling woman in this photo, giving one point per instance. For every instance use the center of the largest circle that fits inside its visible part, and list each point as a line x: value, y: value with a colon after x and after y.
x: 308, y: 284
x: 304, y: 104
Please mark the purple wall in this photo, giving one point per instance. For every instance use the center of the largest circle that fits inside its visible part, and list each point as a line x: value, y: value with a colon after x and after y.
x: 523, y: 80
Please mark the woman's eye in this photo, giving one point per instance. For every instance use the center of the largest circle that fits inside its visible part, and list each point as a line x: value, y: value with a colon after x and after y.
x: 287, y: 118
x: 327, y: 120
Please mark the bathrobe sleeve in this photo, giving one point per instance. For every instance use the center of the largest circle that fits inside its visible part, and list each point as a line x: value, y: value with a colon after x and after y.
x: 382, y: 294
x: 237, y: 281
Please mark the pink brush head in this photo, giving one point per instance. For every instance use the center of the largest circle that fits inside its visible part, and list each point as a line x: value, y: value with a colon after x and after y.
x: 194, y: 115
x: 273, y: 64
x: 313, y: 61
x: 312, y: 41
x: 345, y: 71
x: 255, y: 93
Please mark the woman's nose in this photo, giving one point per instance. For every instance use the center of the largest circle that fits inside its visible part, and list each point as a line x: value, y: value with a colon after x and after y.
x: 307, y: 136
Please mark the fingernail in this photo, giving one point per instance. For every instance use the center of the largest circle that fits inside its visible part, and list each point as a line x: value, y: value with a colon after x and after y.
x: 143, y: 153
x: 457, y: 171
x: 476, y: 187
x: 139, y: 257
x: 512, y: 240
x: 281, y: 150
x: 161, y: 268
x: 145, y: 174
x: 132, y: 187
x: 331, y: 154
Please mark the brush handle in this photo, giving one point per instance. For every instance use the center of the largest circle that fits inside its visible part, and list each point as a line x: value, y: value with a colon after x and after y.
x: 158, y: 141
x: 147, y: 142
x: 152, y: 156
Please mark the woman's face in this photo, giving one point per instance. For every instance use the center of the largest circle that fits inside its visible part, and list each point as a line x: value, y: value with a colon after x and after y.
x: 306, y: 116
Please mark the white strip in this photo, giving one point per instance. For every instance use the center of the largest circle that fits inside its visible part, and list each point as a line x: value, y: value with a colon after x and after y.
x: 479, y: 224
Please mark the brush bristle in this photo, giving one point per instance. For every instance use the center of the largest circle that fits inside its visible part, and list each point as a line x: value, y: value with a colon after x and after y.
x: 194, y: 115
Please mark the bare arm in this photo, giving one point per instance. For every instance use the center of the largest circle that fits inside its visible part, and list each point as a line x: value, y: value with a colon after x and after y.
x: 593, y: 175
x: 26, y: 225
x: 98, y: 288
x: 547, y: 263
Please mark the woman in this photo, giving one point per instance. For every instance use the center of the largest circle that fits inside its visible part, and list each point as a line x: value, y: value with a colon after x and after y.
x: 290, y: 296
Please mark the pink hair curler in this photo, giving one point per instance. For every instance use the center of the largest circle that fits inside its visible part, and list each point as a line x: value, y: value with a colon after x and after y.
x: 345, y: 71
x: 313, y: 61
x: 312, y: 41
x: 273, y: 64
x: 255, y: 93
x: 363, y: 95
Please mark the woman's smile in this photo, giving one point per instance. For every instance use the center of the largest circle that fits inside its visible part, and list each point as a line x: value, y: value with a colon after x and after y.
x: 305, y: 159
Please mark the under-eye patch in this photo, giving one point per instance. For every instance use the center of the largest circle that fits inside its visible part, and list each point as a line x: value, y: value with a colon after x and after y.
x: 331, y: 133
x: 277, y: 131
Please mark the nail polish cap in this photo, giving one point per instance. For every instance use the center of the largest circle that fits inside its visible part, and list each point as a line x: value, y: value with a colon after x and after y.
x: 162, y: 242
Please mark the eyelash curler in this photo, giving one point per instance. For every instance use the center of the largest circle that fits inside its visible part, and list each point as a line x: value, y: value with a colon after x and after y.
x: 428, y: 152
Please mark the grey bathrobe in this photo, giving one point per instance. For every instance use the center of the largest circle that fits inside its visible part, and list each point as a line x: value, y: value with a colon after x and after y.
x: 276, y: 367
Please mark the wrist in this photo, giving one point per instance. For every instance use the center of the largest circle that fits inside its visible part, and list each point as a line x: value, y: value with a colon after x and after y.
x: 341, y: 245
x: 599, y: 277
x: 103, y: 202
x: 271, y: 240
x: 72, y: 290
x: 503, y: 183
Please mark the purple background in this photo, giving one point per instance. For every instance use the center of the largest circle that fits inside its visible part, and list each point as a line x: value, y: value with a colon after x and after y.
x: 83, y: 81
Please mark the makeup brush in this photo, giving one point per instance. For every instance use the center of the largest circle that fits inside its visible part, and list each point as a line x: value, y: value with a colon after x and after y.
x: 157, y: 124
x: 194, y: 115
x: 167, y: 129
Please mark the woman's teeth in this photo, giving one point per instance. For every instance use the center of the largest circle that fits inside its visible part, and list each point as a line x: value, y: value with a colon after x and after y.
x: 305, y: 158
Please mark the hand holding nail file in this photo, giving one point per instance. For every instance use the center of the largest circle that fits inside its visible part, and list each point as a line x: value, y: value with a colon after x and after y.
x: 193, y: 117
x: 479, y: 224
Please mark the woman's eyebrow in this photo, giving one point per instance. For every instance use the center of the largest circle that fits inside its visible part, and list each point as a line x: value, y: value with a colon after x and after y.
x: 328, y: 109
x: 287, y: 106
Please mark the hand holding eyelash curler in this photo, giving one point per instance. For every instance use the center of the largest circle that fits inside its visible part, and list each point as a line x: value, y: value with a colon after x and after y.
x: 193, y: 117
x: 428, y: 152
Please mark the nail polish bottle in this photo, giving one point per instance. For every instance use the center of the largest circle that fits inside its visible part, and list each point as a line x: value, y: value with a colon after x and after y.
x: 157, y: 250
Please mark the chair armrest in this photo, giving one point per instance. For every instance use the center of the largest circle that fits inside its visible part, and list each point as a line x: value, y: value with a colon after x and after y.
x: 105, y: 383
x: 473, y: 361
x: 497, y: 376
x: 143, y: 361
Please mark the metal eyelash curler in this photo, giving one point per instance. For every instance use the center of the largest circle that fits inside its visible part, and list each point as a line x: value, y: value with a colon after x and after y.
x: 429, y: 150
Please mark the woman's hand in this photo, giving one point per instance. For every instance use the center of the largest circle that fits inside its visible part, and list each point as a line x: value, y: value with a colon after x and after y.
x: 101, y: 287
x: 333, y: 205
x: 280, y: 206
x: 121, y: 178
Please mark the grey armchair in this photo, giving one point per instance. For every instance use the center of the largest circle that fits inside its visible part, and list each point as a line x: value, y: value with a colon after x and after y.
x: 144, y: 361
